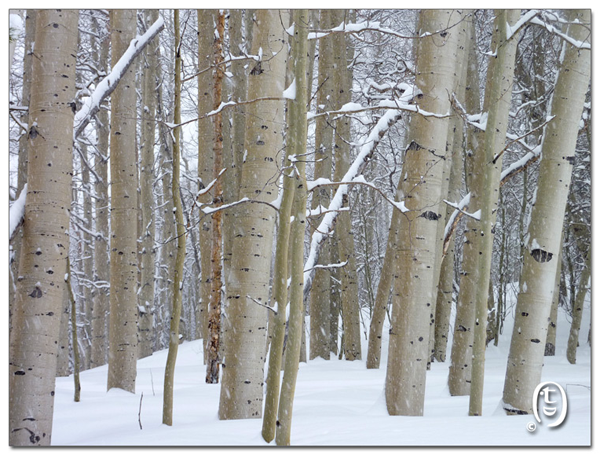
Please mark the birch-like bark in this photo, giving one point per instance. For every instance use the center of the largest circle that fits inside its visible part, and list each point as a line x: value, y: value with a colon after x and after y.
x: 122, y: 350
x: 206, y: 139
x: 297, y: 141
x: 486, y: 185
x: 344, y: 234
x: 45, y: 248
x: 167, y: 418
x: 459, y: 377
x: 384, y: 289
x: 320, y: 307
x: 445, y: 285
x: 100, y: 304
x: 582, y: 291
x: 536, y: 285
x: 421, y: 186
x: 248, y: 281
x: 146, y: 294
x: 550, y: 348
x: 216, y: 279
x: 15, y: 244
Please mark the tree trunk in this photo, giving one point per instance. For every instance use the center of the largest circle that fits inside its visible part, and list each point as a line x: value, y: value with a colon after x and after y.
x: 216, y: 280
x: 45, y: 248
x: 459, y: 377
x: 297, y: 141
x: 181, y: 237
x: 345, y: 240
x: 248, y: 281
x: 413, y: 298
x: 206, y: 139
x: 486, y: 185
x: 146, y: 295
x: 15, y: 245
x: 584, y: 286
x: 122, y: 351
x: 536, y: 286
x: 320, y: 307
x: 100, y: 298
x: 384, y: 288
x: 451, y: 185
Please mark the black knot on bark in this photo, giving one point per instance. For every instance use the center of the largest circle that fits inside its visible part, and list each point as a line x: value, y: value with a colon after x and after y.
x: 429, y: 215
x: 541, y: 256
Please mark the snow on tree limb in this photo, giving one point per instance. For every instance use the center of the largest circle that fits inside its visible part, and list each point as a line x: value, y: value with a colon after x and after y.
x: 91, y: 104
x: 366, y: 151
x: 17, y: 212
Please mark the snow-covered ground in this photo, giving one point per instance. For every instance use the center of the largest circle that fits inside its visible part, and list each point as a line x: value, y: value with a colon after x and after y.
x: 337, y: 403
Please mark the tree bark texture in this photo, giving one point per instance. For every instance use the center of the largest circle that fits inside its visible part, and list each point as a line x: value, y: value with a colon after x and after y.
x: 485, y: 188
x: 181, y: 237
x: 122, y: 351
x: 297, y: 141
x: 248, y: 281
x: 216, y: 275
x: 320, y: 307
x: 536, y: 285
x: 45, y: 248
x: 206, y: 140
x: 413, y: 298
x: 147, y: 235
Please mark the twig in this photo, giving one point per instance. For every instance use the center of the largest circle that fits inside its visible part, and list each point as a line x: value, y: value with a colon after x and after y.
x: 261, y: 304
x: 140, y: 411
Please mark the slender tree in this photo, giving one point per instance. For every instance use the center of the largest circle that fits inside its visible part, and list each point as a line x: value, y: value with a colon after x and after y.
x: 485, y: 187
x: 206, y: 27
x: 148, y: 225
x: 122, y: 351
x: 536, y: 285
x: 181, y: 237
x: 216, y: 279
x: 45, y: 248
x: 100, y: 297
x: 297, y: 141
x: 320, y: 306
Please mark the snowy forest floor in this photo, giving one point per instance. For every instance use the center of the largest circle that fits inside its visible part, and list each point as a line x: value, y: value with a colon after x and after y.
x: 338, y: 403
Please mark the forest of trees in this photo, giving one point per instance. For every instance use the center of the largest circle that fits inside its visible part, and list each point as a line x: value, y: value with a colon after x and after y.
x: 279, y: 183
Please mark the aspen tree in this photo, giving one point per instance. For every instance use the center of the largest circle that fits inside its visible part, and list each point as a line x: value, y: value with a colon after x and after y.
x: 206, y: 27
x: 45, y: 248
x: 584, y: 282
x: 122, y: 350
x: 100, y: 297
x: 297, y: 141
x: 536, y: 284
x: 320, y: 307
x: 344, y: 234
x: 454, y: 167
x: 282, y: 267
x: 248, y: 281
x: 216, y: 280
x: 485, y: 187
x: 181, y: 237
x: 384, y: 288
x: 421, y: 186
x: 459, y: 376
x: 15, y: 244
x: 147, y: 234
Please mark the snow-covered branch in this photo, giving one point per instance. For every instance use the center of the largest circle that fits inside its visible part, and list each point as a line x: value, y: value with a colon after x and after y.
x: 17, y: 212
x: 92, y: 103
x: 397, y: 105
x: 365, y: 153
